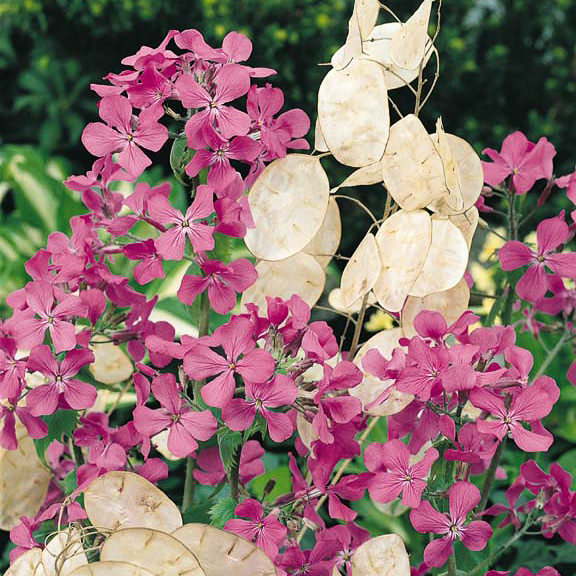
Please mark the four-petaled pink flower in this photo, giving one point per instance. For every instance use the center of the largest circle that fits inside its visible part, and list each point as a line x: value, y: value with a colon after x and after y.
x: 122, y: 133
x: 524, y: 160
x: 266, y: 531
x: 222, y: 281
x: 239, y: 413
x: 393, y: 472
x: 185, y: 425
x: 170, y: 244
x: 550, y: 233
x: 44, y: 399
x: 241, y: 357
x: 464, y: 496
x: 231, y: 82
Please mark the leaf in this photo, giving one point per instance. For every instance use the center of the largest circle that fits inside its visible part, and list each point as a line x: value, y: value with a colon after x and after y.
x: 229, y: 444
x: 282, y: 484
x: 61, y: 423
x: 197, y: 512
x: 222, y: 511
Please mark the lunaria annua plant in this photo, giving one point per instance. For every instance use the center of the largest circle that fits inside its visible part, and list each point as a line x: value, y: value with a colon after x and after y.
x: 112, y: 399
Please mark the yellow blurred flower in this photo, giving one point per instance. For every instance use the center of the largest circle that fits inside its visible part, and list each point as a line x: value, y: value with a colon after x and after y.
x: 491, y: 245
x: 379, y: 321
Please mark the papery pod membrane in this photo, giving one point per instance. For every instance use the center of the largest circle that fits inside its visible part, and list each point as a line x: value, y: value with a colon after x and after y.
x: 451, y: 304
x: 325, y: 244
x: 353, y: 113
x: 28, y: 564
x: 124, y: 499
x: 111, y: 569
x: 361, y: 271
x: 24, y: 481
x: 64, y: 553
x: 453, y: 198
x: 300, y: 274
x: 222, y: 553
x: 365, y: 176
x: 446, y: 260
x: 111, y: 364
x: 306, y: 432
x: 408, y: 44
x: 377, y: 47
x: 470, y: 175
x: 403, y: 242
x: 157, y: 552
x: 336, y: 301
x: 319, y: 142
x: 412, y: 169
x: 467, y: 223
x: 160, y: 443
x: 371, y: 386
x: 381, y: 556
x: 288, y: 202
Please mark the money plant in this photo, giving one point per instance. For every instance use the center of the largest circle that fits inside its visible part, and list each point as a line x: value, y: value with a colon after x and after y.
x: 101, y: 401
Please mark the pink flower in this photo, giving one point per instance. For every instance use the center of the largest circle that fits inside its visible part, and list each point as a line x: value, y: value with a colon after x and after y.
x: 525, y: 161
x: 78, y: 395
x: 474, y: 535
x: 12, y: 371
x: 266, y: 531
x: 171, y: 244
x: 239, y: 413
x: 42, y: 315
x: 530, y: 405
x: 9, y: 411
x: 185, y: 425
x: 222, y: 281
x: 393, y: 473
x: 150, y: 265
x: 551, y: 233
x: 241, y: 357
x: 231, y: 82
x: 152, y: 89
x: 121, y: 134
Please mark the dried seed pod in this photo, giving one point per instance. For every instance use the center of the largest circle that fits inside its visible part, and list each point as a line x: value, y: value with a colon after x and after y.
x: 451, y: 304
x: 403, y: 243
x: 158, y: 552
x: 412, y: 169
x: 361, y: 271
x: 467, y: 222
x: 111, y: 364
x: 363, y: 177
x: 288, y: 201
x: 324, y: 245
x: 408, y: 44
x: 319, y: 142
x: 24, y: 481
x: 222, y: 553
x: 300, y: 274
x: 29, y: 564
x: 64, y: 553
x: 353, y: 113
x: 111, y: 569
x: 381, y: 556
x: 470, y: 176
x: 446, y: 260
x: 453, y: 197
x: 124, y: 499
x: 336, y: 301
x: 371, y: 386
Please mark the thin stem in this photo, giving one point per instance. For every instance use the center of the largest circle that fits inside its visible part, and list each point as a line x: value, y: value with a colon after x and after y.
x: 235, y: 478
x: 358, y: 327
x: 358, y: 203
x: 552, y: 354
x: 189, y: 484
x: 484, y: 295
x: 490, y: 475
x: 452, y: 571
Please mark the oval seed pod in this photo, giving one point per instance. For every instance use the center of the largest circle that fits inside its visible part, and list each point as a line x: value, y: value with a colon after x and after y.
x: 111, y: 364
x: 353, y: 113
x: 111, y: 569
x: 124, y: 499
x: 467, y: 222
x: 319, y: 142
x: 29, y: 564
x: 363, y: 177
x: 289, y: 201
x: 325, y: 244
x: 222, y: 553
x: 381, y: 556
x: 453, y: 198
x: 64, y: 553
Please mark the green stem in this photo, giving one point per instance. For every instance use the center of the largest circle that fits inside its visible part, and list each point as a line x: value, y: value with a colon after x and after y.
x: 189, y: 484
x: 552, y: 354
x: 452, y: 565
x: 235, y: 478
x: 358, y: 328
x: 490, y: 475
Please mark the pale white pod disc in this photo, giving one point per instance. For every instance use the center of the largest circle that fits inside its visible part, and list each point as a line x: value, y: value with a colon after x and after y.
x: 288, y: 201
x: 363, y: 177
x: 325, y: 244
x: 453, y: 196
x: 156, y: 551
x: 412, y: 169
x: 403, y: 243
x: 29, y: 564
x: 300, y: 274
x: 319, y: 142
x: 336, y: 301
x: 64, y: 553
x: 381, y: 556
x: 446, y: 260
x: 124, y: 499
x: 111, y: 569
x: 111, y: 364
x: 353, y: 113
x: 467, y: 223
x: 221, y: 553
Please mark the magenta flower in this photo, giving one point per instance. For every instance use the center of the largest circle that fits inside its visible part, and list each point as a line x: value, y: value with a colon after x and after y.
x: 122, y: 133
x: 222, y: 281
x: 464, y: 496
x: 551, y: 233
x: 150, y: 265
x: 393, y: 473
x: 218, y: 157
x: 152, y: 89
x: 44, y: 399
x: 530, y: 405
x: 42, y: 315
x: 239, y: 413
x: 170, y: 244
x: 231, y: 82
x: 185, y: 425
x: 9, y: 411
x: 241, y: 357
x: 525, y: 161
x: 12, y: 371
x: 266, y: 531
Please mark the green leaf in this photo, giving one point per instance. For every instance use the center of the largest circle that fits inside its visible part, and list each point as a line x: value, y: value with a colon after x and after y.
x: 275, y: 483
x: 222, y: 511
x: 258, y: 427
x: 229, y: 444
x: 60, y: 424
x: 198, y: 512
